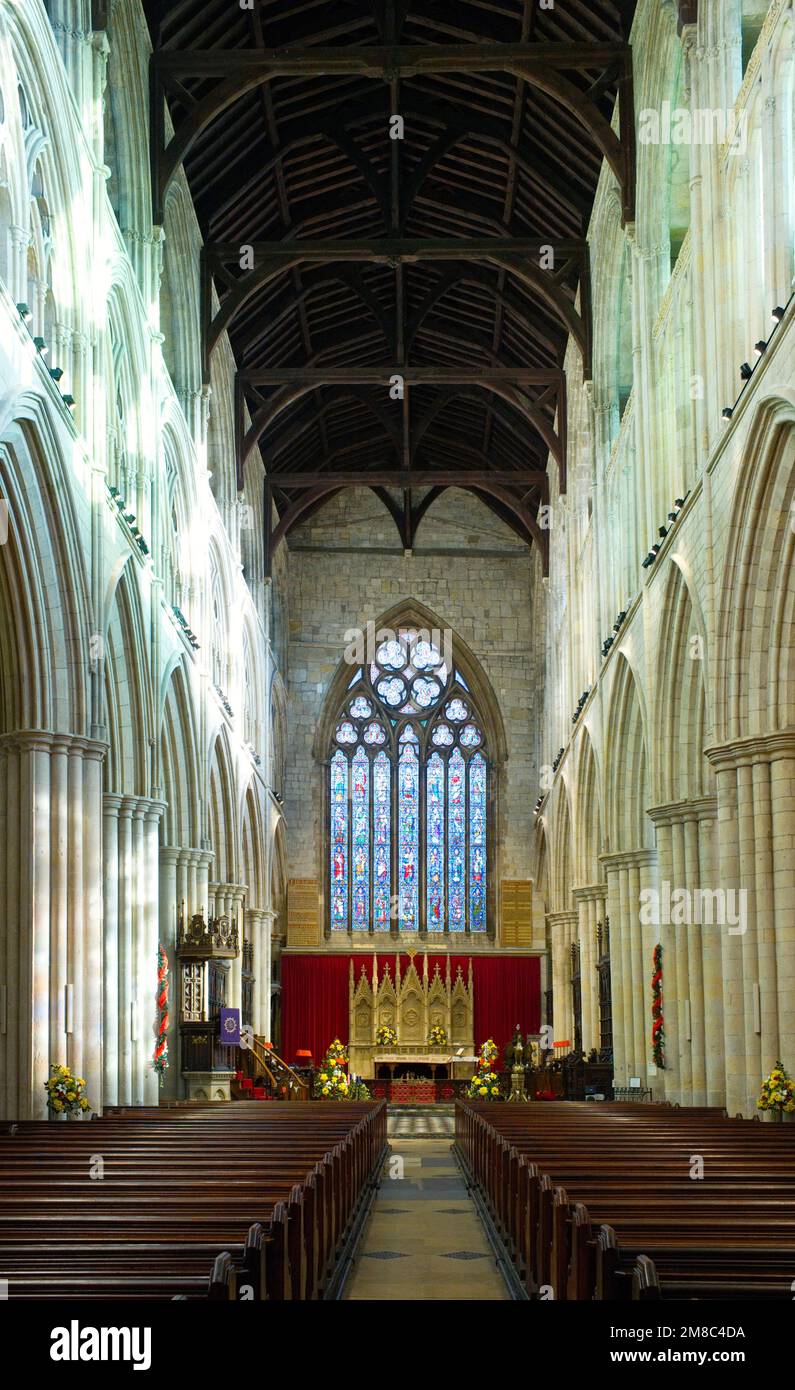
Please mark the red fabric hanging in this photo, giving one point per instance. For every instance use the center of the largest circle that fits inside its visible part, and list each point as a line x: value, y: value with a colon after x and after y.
x: 314, y: 1004
x: 315, y: 995
x: 507, y: 992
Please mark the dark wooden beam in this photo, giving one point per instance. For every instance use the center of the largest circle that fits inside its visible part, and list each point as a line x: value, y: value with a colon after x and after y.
x: 503, y: 381
x: 414, y: 376
x: 235, y: 72
x: 519, y: 256
x: 417, y: 477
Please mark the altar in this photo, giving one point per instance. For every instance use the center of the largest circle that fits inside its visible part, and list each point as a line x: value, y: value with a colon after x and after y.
x: 435, y: 1064
x: 411, y: 1002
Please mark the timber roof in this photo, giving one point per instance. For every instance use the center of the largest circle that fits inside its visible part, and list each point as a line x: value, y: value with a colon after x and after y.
x: 281, y: 115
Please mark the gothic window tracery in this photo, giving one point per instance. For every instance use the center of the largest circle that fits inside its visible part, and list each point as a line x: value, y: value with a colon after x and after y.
x: 408, y: 776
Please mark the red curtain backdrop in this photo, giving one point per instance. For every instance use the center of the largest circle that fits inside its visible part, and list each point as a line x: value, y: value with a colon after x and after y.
x: 315, y: 996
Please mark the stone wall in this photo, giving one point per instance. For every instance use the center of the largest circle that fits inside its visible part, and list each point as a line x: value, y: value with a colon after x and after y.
x: 347, y: 568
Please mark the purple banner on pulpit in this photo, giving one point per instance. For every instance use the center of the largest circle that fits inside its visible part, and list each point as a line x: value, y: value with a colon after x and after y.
x: 230, y: 1027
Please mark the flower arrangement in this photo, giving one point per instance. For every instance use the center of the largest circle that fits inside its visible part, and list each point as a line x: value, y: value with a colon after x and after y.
x: 332, y: 1081
x: 485, y: 1084
x: 778, y: 1092
x: 65, y: 1092
x: 437, y: 1036
x: 338, y: 1051
x: 386, y: 1036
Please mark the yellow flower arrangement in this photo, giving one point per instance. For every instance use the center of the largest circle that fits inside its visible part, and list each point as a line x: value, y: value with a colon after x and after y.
x: 437, y: 1036
x: 778, y: 1092
x: 485, y: 1084
x: 65, y: 1092
x: 386, y: 1036
x: 333, y: 1082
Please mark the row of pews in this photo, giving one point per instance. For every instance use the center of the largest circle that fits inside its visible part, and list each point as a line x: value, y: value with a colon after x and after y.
x: 610, y: 1201
x: 224, y: 1202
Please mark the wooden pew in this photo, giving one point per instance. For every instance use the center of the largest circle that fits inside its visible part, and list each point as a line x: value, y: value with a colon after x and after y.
x: 275, y: 1190
x: 578, y: 1193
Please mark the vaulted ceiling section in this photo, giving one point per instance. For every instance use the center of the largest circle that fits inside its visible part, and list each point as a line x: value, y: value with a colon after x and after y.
x: 401, y: 310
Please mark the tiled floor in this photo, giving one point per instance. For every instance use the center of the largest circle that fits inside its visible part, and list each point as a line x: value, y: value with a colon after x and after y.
x: 424, y: 1240
x: 420, y: 1122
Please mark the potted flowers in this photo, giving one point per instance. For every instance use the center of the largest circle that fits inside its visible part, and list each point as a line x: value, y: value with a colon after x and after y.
x: 777, y: 1096
x: 386, y: 1036
x: 66, y: 1094
x: 437, y: 1036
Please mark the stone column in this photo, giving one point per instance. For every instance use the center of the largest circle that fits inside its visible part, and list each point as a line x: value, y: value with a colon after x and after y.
x: 50, y: 962
x: 755, y: 827
x: 259, y: 922
x: 590, y: 902
x: 130, y: 940
x: 193, y: 867
x: 19, y: 241
x: 563, y: 927
x: 630, y: 874
x: 111, y: 804
x: 151, y: 933
x: 229, y: 899
x: 169, y: 858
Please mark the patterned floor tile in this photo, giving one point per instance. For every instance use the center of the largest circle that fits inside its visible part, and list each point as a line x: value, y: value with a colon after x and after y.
x: 465, y: 1255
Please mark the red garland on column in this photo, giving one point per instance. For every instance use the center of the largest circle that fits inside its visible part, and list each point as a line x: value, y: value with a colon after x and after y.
x: 658, y: 1022
x: 160, y: 1061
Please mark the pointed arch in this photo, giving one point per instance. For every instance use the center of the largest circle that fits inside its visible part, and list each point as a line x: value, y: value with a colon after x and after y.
x: 222, y: 811
x: 542, y: 862
x: 561, y: 881
x: 626, y: 765
x: 46, y: 626
x: 179, y: 761
x: 589, y: 842
x: 681, y: 771
x: 412, y: 613
x: 127, y: 694
x: 278, y: 734
x: 755, y: 654
x: 253, y: 847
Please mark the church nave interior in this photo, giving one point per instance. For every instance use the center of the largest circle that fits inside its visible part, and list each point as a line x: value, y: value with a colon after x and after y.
x: 397, y: 695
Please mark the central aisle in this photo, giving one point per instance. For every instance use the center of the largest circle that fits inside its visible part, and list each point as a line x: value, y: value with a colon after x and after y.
x: 424, y: 1239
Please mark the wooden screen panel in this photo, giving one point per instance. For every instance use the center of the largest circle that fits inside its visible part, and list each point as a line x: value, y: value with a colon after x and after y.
x: 303, y: 912
x: 516, y: 916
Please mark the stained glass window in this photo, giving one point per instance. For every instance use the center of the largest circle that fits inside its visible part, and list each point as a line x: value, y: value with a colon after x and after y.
x: 360, y: 799
x: 408, y: 807
x: 456, y: 816
x: 382, y: 808
x: 339, y: 841
x: 477, y: 843
x: 408, y: 840
x: 435, y: 843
